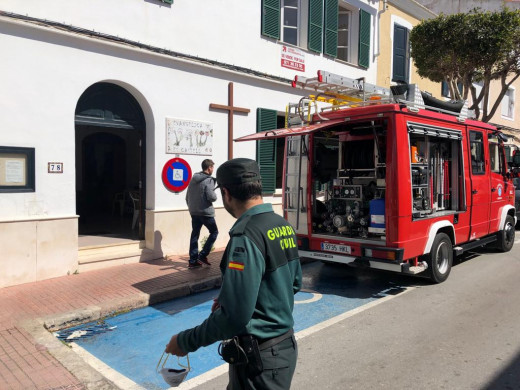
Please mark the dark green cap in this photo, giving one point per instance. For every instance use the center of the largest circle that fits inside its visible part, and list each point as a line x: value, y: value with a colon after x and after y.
x: 238, y: 171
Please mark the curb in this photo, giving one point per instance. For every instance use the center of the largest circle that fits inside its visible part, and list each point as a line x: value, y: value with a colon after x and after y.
x: 77, y: 317
x: 41, y: 328
x: 87, y: 375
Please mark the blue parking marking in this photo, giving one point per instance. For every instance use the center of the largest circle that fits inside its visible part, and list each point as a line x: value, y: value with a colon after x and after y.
x: 136, y: 340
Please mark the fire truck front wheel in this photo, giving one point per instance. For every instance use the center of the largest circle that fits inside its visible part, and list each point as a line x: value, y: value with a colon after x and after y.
x: 506, y: 237
x: 440, y: 258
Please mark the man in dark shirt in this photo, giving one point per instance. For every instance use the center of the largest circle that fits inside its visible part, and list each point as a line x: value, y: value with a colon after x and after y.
x: 200, y: 197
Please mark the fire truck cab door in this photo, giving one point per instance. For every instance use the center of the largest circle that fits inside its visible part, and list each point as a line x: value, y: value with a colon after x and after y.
x: 479, y: 183
x: 497, y: 166
x: 295, y: 183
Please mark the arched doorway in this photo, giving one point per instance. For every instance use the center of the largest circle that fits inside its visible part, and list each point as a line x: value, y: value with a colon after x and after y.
x: 110, y: 159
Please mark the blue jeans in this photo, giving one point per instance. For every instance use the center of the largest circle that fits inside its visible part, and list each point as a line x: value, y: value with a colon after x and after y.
x: 196, y: 224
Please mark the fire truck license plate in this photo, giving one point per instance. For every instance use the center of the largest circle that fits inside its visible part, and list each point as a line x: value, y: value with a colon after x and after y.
x: 325, y: 246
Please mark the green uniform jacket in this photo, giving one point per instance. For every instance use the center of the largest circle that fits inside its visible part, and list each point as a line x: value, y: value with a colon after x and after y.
x: 261, y: 272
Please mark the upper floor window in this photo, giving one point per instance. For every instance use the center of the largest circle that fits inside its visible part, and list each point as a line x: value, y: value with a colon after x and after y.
x: 344, y: 34
x: 478, y: 90
x: 290, y: 17
x: 445, y: 89
x: 401, y: 54
x: 330, y: 27
x: 508, y: 104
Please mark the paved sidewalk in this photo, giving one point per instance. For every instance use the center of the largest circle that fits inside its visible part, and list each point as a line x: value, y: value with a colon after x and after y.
x: 32, y: 358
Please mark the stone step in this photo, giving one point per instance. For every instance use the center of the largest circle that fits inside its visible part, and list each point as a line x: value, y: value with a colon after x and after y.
x: 108, y: 255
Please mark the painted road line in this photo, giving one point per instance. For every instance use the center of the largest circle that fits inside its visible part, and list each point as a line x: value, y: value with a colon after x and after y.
x: 206, y: 377
x: 334, y: 320
x: 315, y: 297
x: 108, y: 372
x: 216, y: 372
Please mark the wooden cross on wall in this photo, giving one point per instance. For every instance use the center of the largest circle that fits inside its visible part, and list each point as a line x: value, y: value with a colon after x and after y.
x: 231, y: 110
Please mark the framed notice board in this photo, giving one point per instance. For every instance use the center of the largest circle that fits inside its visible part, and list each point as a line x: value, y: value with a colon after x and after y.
x: 16, y: 169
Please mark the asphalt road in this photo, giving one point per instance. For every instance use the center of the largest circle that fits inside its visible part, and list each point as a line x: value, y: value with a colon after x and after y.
x: 462, y: 334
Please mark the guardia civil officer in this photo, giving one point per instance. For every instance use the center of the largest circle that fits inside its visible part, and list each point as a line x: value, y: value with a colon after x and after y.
x: 261, y: 272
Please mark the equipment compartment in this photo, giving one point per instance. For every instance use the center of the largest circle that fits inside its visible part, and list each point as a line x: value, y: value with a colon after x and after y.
x: 348, y: 176
x: 436, y: 168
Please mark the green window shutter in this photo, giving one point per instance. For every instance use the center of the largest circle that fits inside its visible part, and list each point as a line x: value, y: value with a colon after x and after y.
x: 271, y: 18
x: 315, y: 25
x: 401, y: 54
x: 331, y: 28
x: 266, y: 150
x: 364, y: 39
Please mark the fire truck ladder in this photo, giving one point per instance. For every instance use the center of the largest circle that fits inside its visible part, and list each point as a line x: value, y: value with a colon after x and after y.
x: 338, y: 91
x: 293, y: 116
x: 295, y: 190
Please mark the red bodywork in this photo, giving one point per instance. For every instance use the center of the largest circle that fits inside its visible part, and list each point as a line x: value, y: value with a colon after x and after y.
x: 478, y: 202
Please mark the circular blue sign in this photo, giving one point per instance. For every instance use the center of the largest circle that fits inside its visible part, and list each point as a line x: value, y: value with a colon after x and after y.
x: 176, y: 174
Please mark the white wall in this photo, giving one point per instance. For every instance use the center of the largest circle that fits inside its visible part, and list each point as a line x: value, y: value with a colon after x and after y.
x: 44, y: 72
x: 50, y: 70
x: 226, y: 31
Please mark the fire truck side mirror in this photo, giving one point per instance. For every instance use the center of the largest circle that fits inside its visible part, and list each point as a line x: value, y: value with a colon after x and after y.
x: 502, y: 137
x: 515, y: 163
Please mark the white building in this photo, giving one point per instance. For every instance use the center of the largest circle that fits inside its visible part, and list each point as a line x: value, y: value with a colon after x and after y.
x: 99, y: 95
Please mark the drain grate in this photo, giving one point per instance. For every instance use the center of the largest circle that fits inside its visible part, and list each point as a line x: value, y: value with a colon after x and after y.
x: 73, y: 334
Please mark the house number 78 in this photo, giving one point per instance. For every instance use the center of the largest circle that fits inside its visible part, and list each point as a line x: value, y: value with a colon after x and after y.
x: 55, y: 167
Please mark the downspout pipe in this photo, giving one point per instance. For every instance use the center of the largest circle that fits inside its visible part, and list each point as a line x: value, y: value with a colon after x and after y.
x: 385, y: 8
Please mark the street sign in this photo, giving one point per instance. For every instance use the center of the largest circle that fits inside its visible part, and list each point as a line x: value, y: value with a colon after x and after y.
x: 176, y: 174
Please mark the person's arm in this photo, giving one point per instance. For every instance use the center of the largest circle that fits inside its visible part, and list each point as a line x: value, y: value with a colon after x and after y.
x: 173, y: 347
x: 297, y: 271
x: 245, y: 267
x: 209, y: 190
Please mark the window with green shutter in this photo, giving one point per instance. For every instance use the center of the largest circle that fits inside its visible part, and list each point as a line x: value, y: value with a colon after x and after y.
x: 331, y: 28
x: 315, y: 25
x: 271, y: 18
x: 266, y: 150
x: 364, y: 39
x: 445, y: 89
x: 401, y: 54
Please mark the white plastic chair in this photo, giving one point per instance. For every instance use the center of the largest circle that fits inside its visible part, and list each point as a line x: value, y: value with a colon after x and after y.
x: 134, y: 195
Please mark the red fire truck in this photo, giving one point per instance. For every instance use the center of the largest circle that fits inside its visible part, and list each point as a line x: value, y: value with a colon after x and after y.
x: 385, y: 179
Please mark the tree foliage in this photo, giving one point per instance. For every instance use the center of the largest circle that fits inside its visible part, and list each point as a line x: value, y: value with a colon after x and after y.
x: 466, y: 48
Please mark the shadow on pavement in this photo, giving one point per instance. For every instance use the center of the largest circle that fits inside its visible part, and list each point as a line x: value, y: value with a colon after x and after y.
x: 349, y: 282
x: 508, y: 379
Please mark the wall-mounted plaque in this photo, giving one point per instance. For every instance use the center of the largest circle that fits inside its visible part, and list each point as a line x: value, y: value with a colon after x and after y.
x: 16, y: 169
x: 55, y: 167
x: 185, y: 136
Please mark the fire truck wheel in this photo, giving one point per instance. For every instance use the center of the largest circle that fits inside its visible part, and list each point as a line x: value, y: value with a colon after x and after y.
x: 440, y: 258
x: 506, y: 237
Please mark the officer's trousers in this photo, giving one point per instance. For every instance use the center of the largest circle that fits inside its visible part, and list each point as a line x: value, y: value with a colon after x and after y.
x: 279, y: 362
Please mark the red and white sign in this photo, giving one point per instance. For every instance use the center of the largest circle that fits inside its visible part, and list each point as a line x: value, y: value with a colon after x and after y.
x: 176, y: 174
x: 293, y: 58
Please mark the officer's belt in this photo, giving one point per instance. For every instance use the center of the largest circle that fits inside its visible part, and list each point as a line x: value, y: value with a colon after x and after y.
x: 275, y: 340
